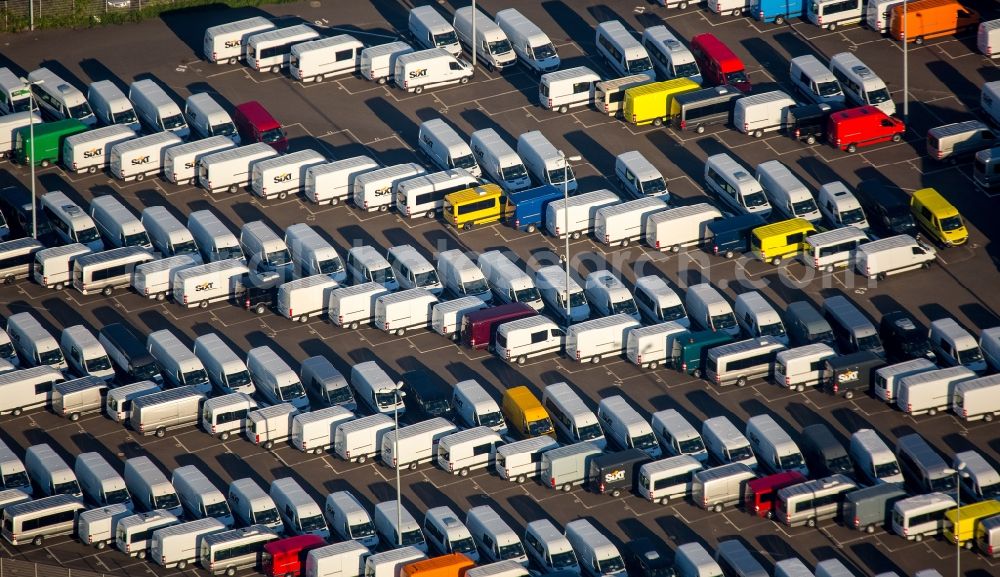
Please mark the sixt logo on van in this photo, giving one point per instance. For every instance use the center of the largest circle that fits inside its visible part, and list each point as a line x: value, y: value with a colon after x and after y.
x: 140, y: 160
x: 233, y: 43
x: 189, y: 165
x: 418, y: 73
x: 204, y: 286
x: 93, y: 153
x: 383, y: 191
x: 847, y: 376
x: 613, y: 476
x: 283, y: 177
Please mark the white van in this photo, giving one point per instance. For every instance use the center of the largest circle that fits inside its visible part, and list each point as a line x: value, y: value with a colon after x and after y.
x: 8, y: 130
x: 873, y: 460
x: 670, y: 57
x: 304, y: 298
x: 149, y: 487
x: 758, y: 318
x: 424, y: 195
x: 447, y: 534
x: 390, y: 563
x: 814, y: 81
x: 490, y: 42
x: 264, y: 249
x: 521, y: 460
x: 313, y: 431
x: 731, y: 183
x: 680, y: 227
x: 522, y: 339
x: 989, y: 344
x: 317, y: 60
x: 575, y: 217
x: 677, y: 435
x: 461, y: 277
x: 509, y: 283
x: 549, y: 548
x: 638, y: 177
x: 301, y: 514
x: 800, y: 367
x: 374, y: 190
x: 430, y: 30
x: 496, y: 540
x: 692, y: 560
x: 72, y: 399
x: 111, y: 106
x: 609, y: 296
x: 167, y: 235
x: 469, y: 450
x: 761, y: 113
x: 28, y: 389
x: 604, y: 337
x: 199, y: 497
x: 274, y: 379
x: 657, y: 302
x: 619, y: 224
x: 208, y: 283
x: 726, y: 444
x: 885, y: 385
x: 394, y: 524
x: 152, y: 279
x: 13, y: 477
x: 353, y: 306
x: 860, y: 84
x: 977, y: 399
x: 930, y: 392
x: 358, y: 440
x: 596, y: 553
x: 627, y: 427
x: 278, y: 176
x: 375, y: 389
x: 986, y: 38
x: 35, y: 345
x: 15, y: 95
x: 474, y: 407
x: 118, y: 404
x: 544, y: 162
x: 52, y: 268
x: 561, y: 90
x: 840, y: 207
x: 312, y: 254
x: 531, y: 45
x: 137, y: 158
x: 84, y: 354
x: 231, y: 169
x: 774, y: 448
x: 666, y: 479
x: 269, y: 425
x: 834, y: 248
x: 132, y: 533
x: 49, y: 473
x: 621, y: 51
x: 499, y: 161
x: 70, y: 222
x: 431, y: 68
x: 349, y: 519
x: 59, y: 98
x: 571, y: 416
x: 207, y: 118
x: 156, y: 110
x: 332, y: 182
x: 180, y: 162
x: 89, y: 151
x: 413, y: 445
x: 920, y: 516
x: 117, y: 223
x: 224, y: 43
x: 953, y: 345
x: 215, y: 241
x: 708, y: 309
x: 886, y: 256
x: 101, y: 484
x: 226, y: 415
x: 552, y: 282
x: 395, y: 313
x: 412, y: 270
x: 178, y: 365
x: 786, y: 193
x: 377, y: 63
x: 878, y: 13
x: 740, y: 362
x: 271, y: 49
x: 830, y: 14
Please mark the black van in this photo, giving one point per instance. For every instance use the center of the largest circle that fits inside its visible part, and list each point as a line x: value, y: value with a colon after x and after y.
x: 806, y: 326
x: 823, y: 453
x: 614, y: 473
x: 426, y: 396
x: 132, y: 361
x: 730, y: 236
x: 645, y: 558
x: 808, y: 122
x: 903, y: 338
x: 888, y: 209
x: 847, y: 374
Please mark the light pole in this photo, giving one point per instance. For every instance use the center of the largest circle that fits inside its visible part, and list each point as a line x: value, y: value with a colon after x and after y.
x: 960, y: 473
x: 906, y: 68
x: 398, y: 398
x: 566, y: 160
x: 31, y: 159
x: 474, y: 46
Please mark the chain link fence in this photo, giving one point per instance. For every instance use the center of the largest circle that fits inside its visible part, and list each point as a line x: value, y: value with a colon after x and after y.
x: 19, y: 15
x: 16, y: 568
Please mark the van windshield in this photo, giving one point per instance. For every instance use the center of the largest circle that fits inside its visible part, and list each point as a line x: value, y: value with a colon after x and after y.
x: 590, y: 432
x: 168, y: 501
x: 884, y: 470
x: 438, y: 407
x: 686, y: 70
x: 741, y: 454
x: 186, y: 247
x: 467, y: 162
x: 236, y: 380
x: 841, y: 464
x: 544, y: 51
x: 466, y: 545
x: 724, y: 321
x: 196, y: 377
x: 6, y: 350
x: 943, y: 484
x: 314, y: 523
x: 145, y: 372
x: 99, y: 364
x: 831, y: 88
x: 793, y: 461
x: 383, y: 276
x: 737, y: 78
x: 578, y: 299
x: 539, y: 427
x: 804, y: 207
x: 340, y: 395
x: 951, y: 223
x: 774, y: 330
x: 80, y: 111
x: 869, y: 343
x: 224, y: 129
x: 67, y: 488
x: 20, y: 479
x: 445, y: 39
x: 754, y: 199
x: 137, y: 239
x: 691, y: 446
x: 990, y: 491
x: 273, y: 135
x: 654, y: 187
x: 512, y: 551
x: 428, y: 278
x: 119, y: 496
x: 292, y: 391
x: 266, y: 517
x: 563, y: 560
x: 226, y: 253
x: 361, y: 530
x: 475, y: 287
x: 852, y: 216
x: 969, y: 356
x: 124, y: 117
x: 414, y: 537
x: 173, y: 122
x: 673, y: 313
x: 639, y: 65
x: 526, y: 295
x: 86, y: 235
x: 278, y: 257
x: 500, y: 46
x: 624, y: 307
x: 220, y: 509
x: 645, y: 442
x: 612, y: 565
x: 51, y: 358
x: 514, y: 172
x: 331, y: 266
x: 556, y: 175
x: 385, y: 400
x: 491, y: 419
x: 878, y: 96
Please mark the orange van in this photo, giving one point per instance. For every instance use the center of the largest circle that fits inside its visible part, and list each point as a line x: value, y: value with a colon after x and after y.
x: 926, y: 19
x: 451, y: 565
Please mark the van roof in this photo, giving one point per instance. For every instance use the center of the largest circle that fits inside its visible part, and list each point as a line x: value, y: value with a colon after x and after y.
x: 618, y: 321
x: 532, y: 322
x: 82, y: 384
x: 577, y: 73
x: 686, y: 462
x: 933, y: 201
x: 949, y: 328
x: 488, y: 190
x: 785, y: 227
x: 717, y: 50
x: 256, y: 114
x: 532, y: 445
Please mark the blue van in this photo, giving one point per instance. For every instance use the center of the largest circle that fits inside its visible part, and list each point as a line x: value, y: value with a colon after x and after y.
x: 777, y: 11
x: 730, y: 236
x: 525, y: 209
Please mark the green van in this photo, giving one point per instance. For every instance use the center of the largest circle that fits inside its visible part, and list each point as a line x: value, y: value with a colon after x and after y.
x: 690, y: 348
x: 48, y: 141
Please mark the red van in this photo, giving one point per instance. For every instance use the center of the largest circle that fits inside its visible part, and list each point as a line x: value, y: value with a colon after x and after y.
x: 718, y: 64
x: 287, y: 557
x: 255, y: 124
x: 479, y: 328
x: 854, y: 128
x: 762, y: 492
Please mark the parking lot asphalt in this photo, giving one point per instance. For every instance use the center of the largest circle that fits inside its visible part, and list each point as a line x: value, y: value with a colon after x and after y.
x: 350, y: 116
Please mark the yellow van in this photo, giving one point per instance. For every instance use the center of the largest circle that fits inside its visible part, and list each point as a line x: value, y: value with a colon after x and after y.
x: 780, y: 240
x: 473, y: 206
x: 938, y: 217
x: 968, y: 516
x: 525, y: 413
x: 651, y: 103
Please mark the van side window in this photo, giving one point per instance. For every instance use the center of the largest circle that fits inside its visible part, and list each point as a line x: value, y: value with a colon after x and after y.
x: 925, y: 213
x: 580, y: 87
x: 482, y: 450
x: 43, y: 388
x: 454, y: 65
x: 539, y: 337
x: 532, y: 542
x: 75, y: 353
x: 488, y: 542
x: 344, y: 55
x: 536, y: 457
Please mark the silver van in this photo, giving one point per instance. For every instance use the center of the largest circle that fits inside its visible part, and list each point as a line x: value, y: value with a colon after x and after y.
x: 207, y: 118
x: 960, y: 139
x: 725, y: 443
x: 156, y: 110
x: 111, y: 106
x: 301, y: 514
x: 445, y: 148
x: 597, y: 555
x: 49, y: 473
x: 365, y: 264
x: 774, y: 447
x: 496, y: 540
x: 677, y: 436
x: 692, y: 560
x: 215, y: 241
x: 178, y: 365
x: 199, y: 497
x: 955, y: 346
x: 117, y: 223
x: 851, y: 328
x: 637, y: 176
x: 100, y: 483
x: 729, y: 181
x: 499, y: 160
x: 757, y: 317
x: 570, y: 415
x: 226, y: 370
x: 33, y: 343
x: 923, y: 467
x: 387, y: 519
x: 447, y: 534
x: 736, y: 560
x: 620, y: 50
x: 149, y: 487
x: 167, y: 234
x: 549, y: 548
x: 787, y: 194
x: 412, y: 270
x: 12, y: 472
x: 814, y: 81
x: 349, y: 519
x: 873, y: 460
x: 85, y: 354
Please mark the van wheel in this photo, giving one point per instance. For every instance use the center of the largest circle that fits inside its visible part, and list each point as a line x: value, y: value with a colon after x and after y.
x: 418, y: 90
x: 101, y: 545
x: 811, y: 522
x: 696, y: 373
x: 880, y: 276
x: 467, y: 226
x: 92, y: 169
x: 275, y: 69
x: 9, y: 279
x: 919, y: 40
x: 319, y: 78
x: 463, y: 472
x: 400, y: 332
x: 729, y: 254
x: 140, y: 177
x: 682, y: 5
x: 852, y: 148
x: 17, y: 412
x: 224, y: 436
x: 282, y: 195
x: 521, y: 479
x: 652, y: 366
x: 927, y: 265
x: 230, y: 571
x: 737, y: 12
x: 45, y: 163
x: 268, y: 445
x: 663, y: 501
x: 623, y: 243
x: 382, y: 80
x: 828, y: 268
x: 657, y: 122
x: 464, y: 80
x: 616, y: 493
x: 74, y: 417
x: 849, y: 395
x: 776, y: 261
x: 779, y: 20
x: 595, y: 359
x: 532, y: 229
x: 758, y: 133
x: 675, y: 249
x: 741, y: 382
x: 37, y: 541
x: 801, y: 388
x: 700, y: 129
x: 932, y: 411
x: 182, y: 564
x: 334, y: 201
x: 106, y: 291
x: 717, y: 507
x: 161, y: 432
x: 384, y: 208
x: 870, y: 529
x: 567, y: 488
x: 810, y: 140
x: 141, y: 555
x: 203, y: 304
x: 59, y: 286
x: 563, y: 109
x: 988, y: 417
x: 233, y: 189
x: 161, y: 297
x: 521, y: 360
x: 412, y: 466
x: 260, y: 309
x: 897, y: 137
x: 303, y: 319
x: 575, y: 236
x: 832, y: 26
x: 918, y: 537
x: 362, y: 459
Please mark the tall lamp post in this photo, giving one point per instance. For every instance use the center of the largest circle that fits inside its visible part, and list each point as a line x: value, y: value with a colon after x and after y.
x: 566, y: 160
x: 398, y: 398
x: 960, y: 473
x: 906, y: 67
x: 473, y: 35
x: 31, y: 160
